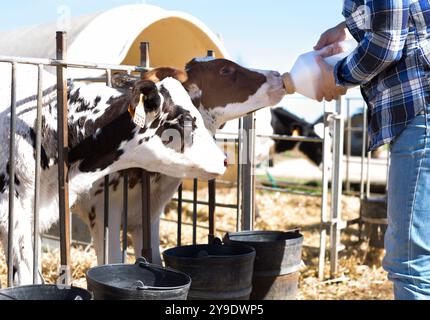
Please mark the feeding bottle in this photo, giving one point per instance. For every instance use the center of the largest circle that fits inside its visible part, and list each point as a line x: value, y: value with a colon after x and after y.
x: 306, y: 72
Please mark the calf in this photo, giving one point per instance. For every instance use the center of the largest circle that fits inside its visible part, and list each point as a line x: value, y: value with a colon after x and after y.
x: 286, y: 123
x: 103, y: 139
x: 222, y: 91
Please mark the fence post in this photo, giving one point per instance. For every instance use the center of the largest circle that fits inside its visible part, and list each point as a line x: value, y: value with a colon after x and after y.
x: 36, y: 242
x: 11, y: 179
x: 106, y: 197
x: 324, y: 199
x: 212, y: 193
x: 63, y: 149
x: 248, y: 177
x: 146, y: 178
x: 336, y: 215
x: 180, y: 194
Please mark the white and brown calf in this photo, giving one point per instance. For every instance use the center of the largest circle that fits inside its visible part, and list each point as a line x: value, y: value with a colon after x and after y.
x: 103, y: 140
x: 222, y: 91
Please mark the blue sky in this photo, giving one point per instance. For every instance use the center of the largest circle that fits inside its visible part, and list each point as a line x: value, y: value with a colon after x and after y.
x: 261, y: 34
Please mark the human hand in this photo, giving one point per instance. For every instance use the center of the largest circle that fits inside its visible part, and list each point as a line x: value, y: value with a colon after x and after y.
x: 333, y: 35
x: 327, y: 88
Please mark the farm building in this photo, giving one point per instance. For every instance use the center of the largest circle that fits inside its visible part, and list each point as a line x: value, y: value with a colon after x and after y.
x: 175, y: 38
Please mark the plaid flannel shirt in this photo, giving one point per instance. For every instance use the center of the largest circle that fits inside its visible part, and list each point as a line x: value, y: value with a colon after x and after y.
x: 391, y: 62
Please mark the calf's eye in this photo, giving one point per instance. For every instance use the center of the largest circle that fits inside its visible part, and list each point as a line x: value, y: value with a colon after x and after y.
x: 226, y: 71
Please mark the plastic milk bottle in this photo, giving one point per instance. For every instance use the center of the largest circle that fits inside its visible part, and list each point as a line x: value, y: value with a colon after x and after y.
x: 306, y: 72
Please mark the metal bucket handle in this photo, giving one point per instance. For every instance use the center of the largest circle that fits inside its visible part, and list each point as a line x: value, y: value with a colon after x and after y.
x: 140, y: 286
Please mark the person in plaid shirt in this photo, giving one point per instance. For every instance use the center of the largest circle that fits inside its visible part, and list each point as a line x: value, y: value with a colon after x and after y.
x: 392, y: 65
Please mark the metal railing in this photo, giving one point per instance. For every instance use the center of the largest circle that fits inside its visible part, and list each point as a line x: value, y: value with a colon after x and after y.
x: 61, y: 64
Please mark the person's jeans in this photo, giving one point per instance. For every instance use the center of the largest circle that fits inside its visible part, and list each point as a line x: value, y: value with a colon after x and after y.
x: 407, y: 240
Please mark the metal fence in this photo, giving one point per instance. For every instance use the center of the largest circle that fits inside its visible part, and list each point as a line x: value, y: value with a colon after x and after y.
x: 331, y: 220
x: 61, y: 64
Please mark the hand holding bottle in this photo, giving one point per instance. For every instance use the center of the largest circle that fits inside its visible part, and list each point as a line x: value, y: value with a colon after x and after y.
x: 326, y: 88
x: 336, y: 34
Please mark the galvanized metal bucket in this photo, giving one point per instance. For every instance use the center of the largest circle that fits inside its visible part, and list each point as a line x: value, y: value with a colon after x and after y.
x: 44, y: 292
x: 277, y: 263
x: 141, y: 281
x: 218, y: 272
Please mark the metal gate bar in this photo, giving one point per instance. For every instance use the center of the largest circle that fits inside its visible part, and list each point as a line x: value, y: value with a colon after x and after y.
x: 63, y: 150
x: 38, y: 146
x: 125, y: 218
x: 195, y: 200
x: 325, y: 192
x: 248, y: 173
x: 146, y: 215
x: 106, y: 220
x: 212, y: 208
x: 179, y: 240
x: 336, y: 218
x: 146, y: 177
x: 11, y: 179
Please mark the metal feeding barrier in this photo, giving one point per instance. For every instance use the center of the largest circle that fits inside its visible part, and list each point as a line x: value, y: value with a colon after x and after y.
x: 61, y: 64
x: 331, y: 222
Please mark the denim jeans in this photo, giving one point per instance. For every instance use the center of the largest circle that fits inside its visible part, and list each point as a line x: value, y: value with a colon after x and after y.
x: 407, y: 240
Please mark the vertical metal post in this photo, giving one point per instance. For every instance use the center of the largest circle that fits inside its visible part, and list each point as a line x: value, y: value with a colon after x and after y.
x: 146, y: 215
x: 146, y: 178
x: 63, y: 149
x: 106, y: 222
x: 362, y: 183
x: 125, y: 218
x: 248, y: 178
x: 144, y: 55
x: 11, y: 223
x: 109, y: 77
x: 179, y: 241
x: 195, y: 199
x: 368, y: 177
x: 325, y: 191
x: 239, y: 175
x: 348, y: 145
x: 336, y: 217
x: 37, y: 175
x: 212, y: 191
x: 363, y: 153
x: 106, y: 197
x: 212, y: 208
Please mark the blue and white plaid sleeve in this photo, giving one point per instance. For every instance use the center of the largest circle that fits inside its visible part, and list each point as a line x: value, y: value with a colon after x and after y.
x: 385, y: 27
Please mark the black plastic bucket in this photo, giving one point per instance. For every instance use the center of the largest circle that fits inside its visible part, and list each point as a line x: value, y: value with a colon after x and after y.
x: 139, y: 281
x: 277, y: 262
x: 44, y: 292
x: 218, y: 272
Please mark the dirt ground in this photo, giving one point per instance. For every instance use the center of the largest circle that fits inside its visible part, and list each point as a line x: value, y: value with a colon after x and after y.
x: 360, y: 274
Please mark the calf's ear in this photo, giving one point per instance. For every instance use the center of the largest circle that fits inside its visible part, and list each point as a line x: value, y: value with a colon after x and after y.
x: 151, y: 97
x: 145, y: 92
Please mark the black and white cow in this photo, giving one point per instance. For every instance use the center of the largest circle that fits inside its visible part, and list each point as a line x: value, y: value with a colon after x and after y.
x: 288, y: 124
x: 222, y: 91
x: 103, y: 139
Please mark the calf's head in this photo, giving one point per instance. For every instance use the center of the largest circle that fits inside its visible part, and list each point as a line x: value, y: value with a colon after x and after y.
x: 223, y: 90
x: 179, y: 136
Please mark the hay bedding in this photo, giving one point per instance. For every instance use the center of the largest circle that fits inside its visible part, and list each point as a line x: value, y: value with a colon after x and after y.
x: 360, y: 273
